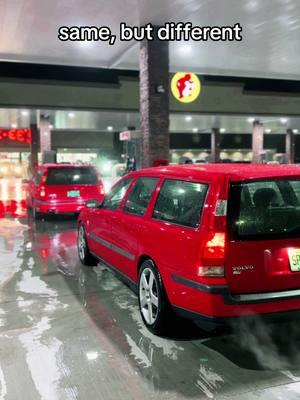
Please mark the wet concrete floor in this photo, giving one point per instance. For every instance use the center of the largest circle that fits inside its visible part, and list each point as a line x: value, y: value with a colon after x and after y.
x: 72, y: 332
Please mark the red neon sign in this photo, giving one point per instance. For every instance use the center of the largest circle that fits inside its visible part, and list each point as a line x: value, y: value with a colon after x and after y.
x: 16, y: 135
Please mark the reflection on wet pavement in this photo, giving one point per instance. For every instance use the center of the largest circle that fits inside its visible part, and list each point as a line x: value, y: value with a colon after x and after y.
x: 12, y: 198
x: 72, y: 332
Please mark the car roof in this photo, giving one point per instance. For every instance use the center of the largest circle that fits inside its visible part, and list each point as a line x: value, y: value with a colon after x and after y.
x: 66, y: 166
x: 235, y: 172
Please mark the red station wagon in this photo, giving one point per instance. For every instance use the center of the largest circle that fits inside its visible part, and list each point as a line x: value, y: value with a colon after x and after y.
x: 63, y: 188
x: 211, y: 242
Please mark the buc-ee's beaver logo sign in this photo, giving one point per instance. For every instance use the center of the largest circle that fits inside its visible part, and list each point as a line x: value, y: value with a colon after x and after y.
x: 185, y: 87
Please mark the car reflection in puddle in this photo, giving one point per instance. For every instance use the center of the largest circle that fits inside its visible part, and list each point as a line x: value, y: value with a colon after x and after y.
x: 12, y: 198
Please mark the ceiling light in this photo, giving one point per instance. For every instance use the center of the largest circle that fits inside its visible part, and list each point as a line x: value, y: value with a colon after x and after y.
x: 71, y: 115
x: 25, y: 113
x: 283, y: 120
x: 222, y: 130
x: 251, y: 120
x: 185, y: 49
x: 92, y: 355
x: 195, y: 130
x: 188, y: 118
x: 51, y: 126
x: 14, y: 126
x: 109, y: 128
x: 295, y: 130
x: 268, y: 130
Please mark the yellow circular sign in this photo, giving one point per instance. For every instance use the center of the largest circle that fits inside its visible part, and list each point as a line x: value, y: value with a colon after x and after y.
x: 185, y: 87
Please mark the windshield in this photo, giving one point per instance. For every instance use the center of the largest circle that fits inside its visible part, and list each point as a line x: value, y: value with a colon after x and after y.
x: 265, y: 209
x: 71, y: 176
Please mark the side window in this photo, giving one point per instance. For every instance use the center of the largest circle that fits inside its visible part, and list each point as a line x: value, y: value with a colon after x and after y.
x: 255, y: 187
x: 180, y: 202
x: 140, y: 195
x: 38, y: 176
x: 114, y: 198
x: 295, y: 185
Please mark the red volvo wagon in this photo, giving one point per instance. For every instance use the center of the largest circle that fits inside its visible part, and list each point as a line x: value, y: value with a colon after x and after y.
x: 63, y: 188
x: 212, y: 242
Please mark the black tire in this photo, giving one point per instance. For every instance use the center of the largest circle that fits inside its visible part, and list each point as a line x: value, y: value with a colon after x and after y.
x: 84, y: 253
x: 162, y: 313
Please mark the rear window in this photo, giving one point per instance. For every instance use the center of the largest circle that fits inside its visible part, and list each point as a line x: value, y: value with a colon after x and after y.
x: 38, y: 176
x: 71, y: 176
x: 265, y: 209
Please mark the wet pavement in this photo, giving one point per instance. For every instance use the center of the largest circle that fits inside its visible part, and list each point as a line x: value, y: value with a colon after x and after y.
x: 73, y: 332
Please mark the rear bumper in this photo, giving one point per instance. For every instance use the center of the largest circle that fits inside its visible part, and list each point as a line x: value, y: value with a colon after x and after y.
x: 253, y: 298
x: 210, y: 322
x: 59, y: 207
x: 216, y: 301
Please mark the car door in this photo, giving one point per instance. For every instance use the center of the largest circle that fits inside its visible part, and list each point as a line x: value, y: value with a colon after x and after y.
x: 127, y: 225
x: 101, y: 219
x: 171, y: 235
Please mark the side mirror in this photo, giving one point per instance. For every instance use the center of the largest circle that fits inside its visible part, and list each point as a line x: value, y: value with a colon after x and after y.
x: 92, y: 204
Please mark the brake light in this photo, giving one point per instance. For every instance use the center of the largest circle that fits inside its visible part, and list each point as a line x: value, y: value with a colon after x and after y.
x: 42, y: 191
x: 101, y: 188
x: 215, y: 248
x: 212, y: 255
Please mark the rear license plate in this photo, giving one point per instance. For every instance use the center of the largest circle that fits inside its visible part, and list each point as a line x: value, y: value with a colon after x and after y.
x: 294, y: 258
x: 73, y: 193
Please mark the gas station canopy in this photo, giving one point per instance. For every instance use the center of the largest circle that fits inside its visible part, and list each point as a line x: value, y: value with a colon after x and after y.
x: 270, y: 47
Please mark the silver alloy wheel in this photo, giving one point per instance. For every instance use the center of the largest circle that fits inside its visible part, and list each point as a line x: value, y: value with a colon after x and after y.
x: 148, y: 294
x: 81, y: 243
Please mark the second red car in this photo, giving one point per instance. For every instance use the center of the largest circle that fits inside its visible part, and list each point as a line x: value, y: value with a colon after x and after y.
x: 63, y: 188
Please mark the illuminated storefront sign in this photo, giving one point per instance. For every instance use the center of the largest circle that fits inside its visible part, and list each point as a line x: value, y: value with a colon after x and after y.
x: 129, y: 135
x: 15, y: 135
x: 185, y: 87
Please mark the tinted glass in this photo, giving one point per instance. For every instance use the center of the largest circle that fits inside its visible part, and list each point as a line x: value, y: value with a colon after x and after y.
x: 265, y: 209
x: 114, y: 198
x: 180, y: 202
x: 38, y: 176
x: 71, y: 176
x: 140, y: 195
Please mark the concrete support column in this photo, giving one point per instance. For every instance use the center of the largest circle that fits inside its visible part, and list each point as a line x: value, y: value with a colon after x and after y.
x: 257, y: 142
x: 215, y: 145
x: 34, y: 147
x: 290, y: 146
x: 154, y: 101
x: 45, y: 134
x: 48, y: 156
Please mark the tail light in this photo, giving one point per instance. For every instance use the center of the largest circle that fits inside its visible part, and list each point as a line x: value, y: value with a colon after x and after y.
x: 212, y: 255
x: 44, y: 253
x: 42, y: 191
x: 101, y: 188
x: 42, y: 187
